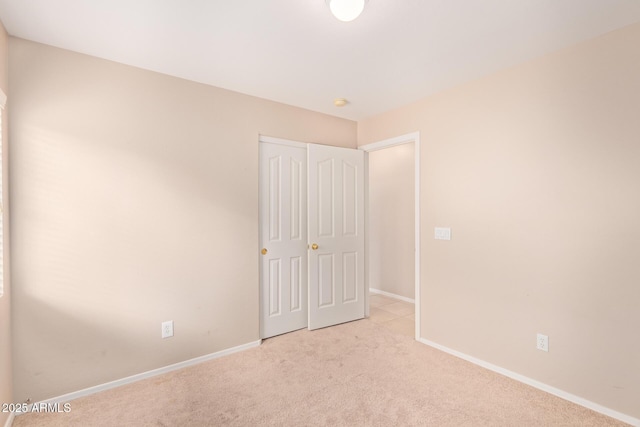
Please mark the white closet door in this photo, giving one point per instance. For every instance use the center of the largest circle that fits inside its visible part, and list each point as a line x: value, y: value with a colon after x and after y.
x: 283, y: 239
x: 336, y: 235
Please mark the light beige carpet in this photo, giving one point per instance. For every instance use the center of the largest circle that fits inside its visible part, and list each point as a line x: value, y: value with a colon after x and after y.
x: 356, y: 374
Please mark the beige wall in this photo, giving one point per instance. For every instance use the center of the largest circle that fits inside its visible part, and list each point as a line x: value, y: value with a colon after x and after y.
x: 536, y: 169
x: 6, y: 394
x: 391, y: 220
x: 135, y: 198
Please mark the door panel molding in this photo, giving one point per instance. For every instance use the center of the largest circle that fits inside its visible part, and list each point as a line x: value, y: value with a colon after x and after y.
x: 310, y: 193
x: 336, y: 197
x: 283, y: 238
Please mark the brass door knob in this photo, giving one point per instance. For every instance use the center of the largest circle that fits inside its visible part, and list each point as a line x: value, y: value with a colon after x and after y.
x: 264, y: 251
x: 314, y: 246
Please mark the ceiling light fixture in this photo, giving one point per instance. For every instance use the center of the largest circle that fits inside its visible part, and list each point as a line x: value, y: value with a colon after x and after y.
x: 340, y: 102
x: 346, y: 10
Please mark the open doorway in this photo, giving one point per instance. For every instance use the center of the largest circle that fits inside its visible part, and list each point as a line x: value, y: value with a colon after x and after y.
x: 393, y: 273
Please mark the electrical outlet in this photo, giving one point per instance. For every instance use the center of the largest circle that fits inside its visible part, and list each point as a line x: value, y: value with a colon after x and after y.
x: 167, y: 329
x: 542, y: 342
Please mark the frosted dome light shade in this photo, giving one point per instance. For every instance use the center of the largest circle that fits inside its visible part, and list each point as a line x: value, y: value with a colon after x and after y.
x: 346, y: 10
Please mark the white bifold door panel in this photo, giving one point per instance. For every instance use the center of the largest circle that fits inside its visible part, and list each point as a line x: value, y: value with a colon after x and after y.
x: 336, y: 233
x: 283, y: 236
x: 311, y: 236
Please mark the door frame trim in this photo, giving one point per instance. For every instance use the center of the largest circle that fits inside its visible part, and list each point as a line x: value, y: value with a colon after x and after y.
x: 281, y: 141
x: 379, y: 145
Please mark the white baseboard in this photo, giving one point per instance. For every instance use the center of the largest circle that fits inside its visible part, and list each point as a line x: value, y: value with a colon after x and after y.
x: 390, y: 295
x: 537, y: 384
x: 9, y: 421
x: 133, y: 378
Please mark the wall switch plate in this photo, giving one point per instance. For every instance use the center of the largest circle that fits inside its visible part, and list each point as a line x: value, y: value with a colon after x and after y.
x: 167, y: 329
x: 442, y: 233
x: 542, y: 342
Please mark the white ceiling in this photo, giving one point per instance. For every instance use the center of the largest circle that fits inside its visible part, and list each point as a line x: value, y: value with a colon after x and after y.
x: 296, y: 52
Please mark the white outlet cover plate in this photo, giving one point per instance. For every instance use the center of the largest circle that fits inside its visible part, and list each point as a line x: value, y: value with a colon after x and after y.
x: 167, y: 329
x: 442, y: 233
x: 542, y: 342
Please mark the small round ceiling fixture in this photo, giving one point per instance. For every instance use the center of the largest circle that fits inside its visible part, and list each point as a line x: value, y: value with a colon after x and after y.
x: 346, y: 10
x: 339, y: 102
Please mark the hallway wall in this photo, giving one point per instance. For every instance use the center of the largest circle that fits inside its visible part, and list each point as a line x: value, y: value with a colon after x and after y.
x: 391, y: 220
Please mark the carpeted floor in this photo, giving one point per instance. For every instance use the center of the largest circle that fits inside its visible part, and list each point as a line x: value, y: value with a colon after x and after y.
x: 356, y: 374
